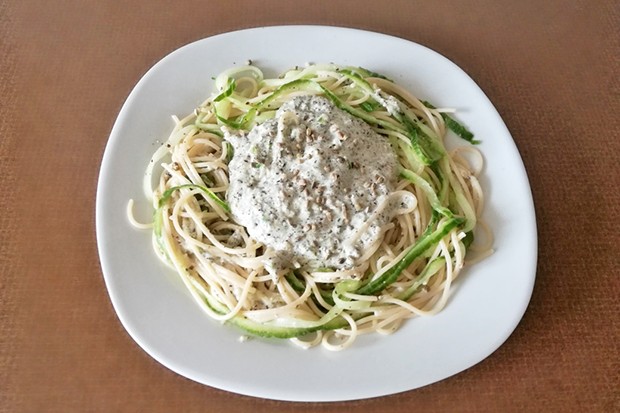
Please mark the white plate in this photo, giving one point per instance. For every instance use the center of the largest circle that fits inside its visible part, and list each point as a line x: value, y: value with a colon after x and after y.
x: 163, y: 319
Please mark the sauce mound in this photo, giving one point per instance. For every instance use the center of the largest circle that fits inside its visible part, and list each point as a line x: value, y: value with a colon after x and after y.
x: 312, y: 184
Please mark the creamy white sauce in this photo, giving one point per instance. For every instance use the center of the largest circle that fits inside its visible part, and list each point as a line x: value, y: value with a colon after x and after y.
x: 307, y: 182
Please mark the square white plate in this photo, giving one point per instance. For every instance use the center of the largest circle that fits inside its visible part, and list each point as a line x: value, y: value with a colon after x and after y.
x: 152, y: 304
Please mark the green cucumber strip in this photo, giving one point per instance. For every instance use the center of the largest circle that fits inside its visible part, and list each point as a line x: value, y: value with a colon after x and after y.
x: 428, y: 191
x: 244, y: 121
x: 210, y: 127
x: 425, y: 242
x: 238, y: 122
x: 235, y: 124
x: 332, y: 321
x: 431, y: 148
x: 468, y: 239
x: 357, y: 78
x: 468, y: 212
x: 431, y: 269
x: 460, y: 198
x: 295, y: 282
x: 459, y: 129
x: 417, y: 149
x: 412, y: 157
x: 455, y: 126
x: 421, y: 144
x: 431, y: 224
x: 230, y: 151
x: 215, y: 306
x: 230, y: 88
x: 427, y: 149
x: 358, y: 113
x: 299, y: 286
x: 345, y: 303
x: 274, y: 331
x: 168, y: 193
x: 292, y: 85
x: 370, y: 106
x: 158, y: 218
x: 265, y: 329
x: 269, y: 330
x: 157, y: 222
x: 312, y: 85
x: 444, y: 190
x: 305, y: 84
x: 367, y: 73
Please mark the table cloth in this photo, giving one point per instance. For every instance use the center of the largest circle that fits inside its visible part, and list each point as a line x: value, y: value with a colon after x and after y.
x: 66, y: 67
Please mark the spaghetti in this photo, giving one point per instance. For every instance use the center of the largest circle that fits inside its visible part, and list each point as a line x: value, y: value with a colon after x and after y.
x: 405, y: 270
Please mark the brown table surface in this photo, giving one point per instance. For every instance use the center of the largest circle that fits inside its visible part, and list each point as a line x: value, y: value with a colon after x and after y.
x: 66, y: 67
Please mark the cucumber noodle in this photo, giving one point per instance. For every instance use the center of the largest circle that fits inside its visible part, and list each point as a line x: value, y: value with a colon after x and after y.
x: 409, y: 272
